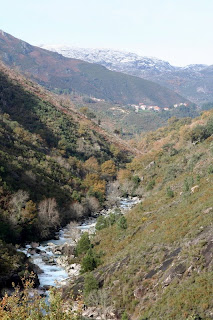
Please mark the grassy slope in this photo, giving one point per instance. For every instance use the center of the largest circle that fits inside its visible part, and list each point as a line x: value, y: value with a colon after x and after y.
x: 161, y: 267
x: 55, y: 71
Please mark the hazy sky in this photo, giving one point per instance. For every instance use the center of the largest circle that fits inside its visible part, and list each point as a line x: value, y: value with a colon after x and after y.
x: 180, y: 31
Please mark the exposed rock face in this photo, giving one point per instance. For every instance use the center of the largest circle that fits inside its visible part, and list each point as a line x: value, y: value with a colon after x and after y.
x: 98, y: 314
x: 65, y: 249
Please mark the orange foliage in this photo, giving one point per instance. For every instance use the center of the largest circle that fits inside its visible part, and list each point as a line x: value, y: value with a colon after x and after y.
x: 91, y: 165
x: 124, y: 174
x: 108, y: 168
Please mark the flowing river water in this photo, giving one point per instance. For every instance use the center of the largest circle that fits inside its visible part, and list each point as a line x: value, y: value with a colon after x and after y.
x: 43, y: 255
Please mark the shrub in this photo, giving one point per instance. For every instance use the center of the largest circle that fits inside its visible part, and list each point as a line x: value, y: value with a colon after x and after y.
x: 210, y: 169
x: 90, y: 284
x: 136, y: 180
x: 150, y: 185
x: 122, y: 223
x: 124, y: 316
x: 101, y: 223
x: 199, y: 133
x: 186, y: 186
x: 170, y: 192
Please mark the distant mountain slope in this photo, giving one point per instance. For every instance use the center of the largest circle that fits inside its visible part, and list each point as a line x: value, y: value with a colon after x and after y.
x: 55, y: 71
x: 193, y: 82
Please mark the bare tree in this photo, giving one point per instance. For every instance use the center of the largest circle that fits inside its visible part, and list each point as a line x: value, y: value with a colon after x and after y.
x: 74, y: 232
x: 17, y: 203
x: 77, y: 209
x: 101, y: 300
x: 128, y: 187
x: 113, y: 193
x: 93, y: 204
x: 48, y: 216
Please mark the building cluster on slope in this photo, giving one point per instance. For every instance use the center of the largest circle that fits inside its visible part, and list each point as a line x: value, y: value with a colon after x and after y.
x: 142, y: 106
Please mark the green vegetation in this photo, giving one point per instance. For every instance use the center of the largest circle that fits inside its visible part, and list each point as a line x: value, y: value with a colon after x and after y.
x: 104, y: 222
x: 90, y: 284
x: 122, y: 223
x: 84, y: 244
x: 90, y: 261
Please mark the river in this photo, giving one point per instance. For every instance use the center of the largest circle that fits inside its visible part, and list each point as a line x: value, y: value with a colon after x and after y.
x: 49, y: 260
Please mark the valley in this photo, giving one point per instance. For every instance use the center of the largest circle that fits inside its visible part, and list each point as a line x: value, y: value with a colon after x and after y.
x: 106, y: 181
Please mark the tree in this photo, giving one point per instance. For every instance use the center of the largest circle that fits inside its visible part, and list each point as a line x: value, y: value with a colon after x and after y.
x: 90, y: 261
x: 84, y: 244
x: 74, y: 232
x: 108, y: 169
x: 91, y: 165
x: 102, y: 301
x: 17, y: 203
x: 113, y: 193
x: 77, y: 209
x: 48, y: 216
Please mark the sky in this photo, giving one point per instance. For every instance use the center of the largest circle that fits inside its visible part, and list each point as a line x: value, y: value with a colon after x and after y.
x: 178, y: 31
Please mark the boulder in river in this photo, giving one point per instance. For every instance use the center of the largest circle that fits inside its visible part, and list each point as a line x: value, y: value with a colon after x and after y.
x: 34, y: 245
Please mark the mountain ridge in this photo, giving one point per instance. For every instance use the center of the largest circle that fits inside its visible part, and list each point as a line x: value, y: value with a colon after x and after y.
x: 56, y: 71
x: 193, y: 81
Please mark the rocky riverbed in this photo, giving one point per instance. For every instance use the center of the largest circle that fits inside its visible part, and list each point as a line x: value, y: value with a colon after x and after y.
x: 53, y: 258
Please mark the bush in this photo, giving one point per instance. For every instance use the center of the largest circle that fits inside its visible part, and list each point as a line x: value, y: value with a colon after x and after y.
x: 122, y: 223
x: 150, y: 185
x: 105, y: 222
x: 199, y: 133
x: 124, y: 316
x: 186, y: 186
x: 210, y: 169
x: 101, y: 223
x: 90, y: 284
x: 170, y: 192
x: 136, y: 180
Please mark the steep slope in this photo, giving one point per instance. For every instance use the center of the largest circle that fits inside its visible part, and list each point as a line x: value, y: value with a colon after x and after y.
x: 194, y: 82
x: 55, y: 71
x: 47, y: 152
x: 160, y: 265
x: 51, y: 168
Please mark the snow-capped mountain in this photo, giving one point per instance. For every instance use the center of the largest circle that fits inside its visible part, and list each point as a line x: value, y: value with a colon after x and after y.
x: 114, y: 59
x: 194, y: 82
x: 121, y: 60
